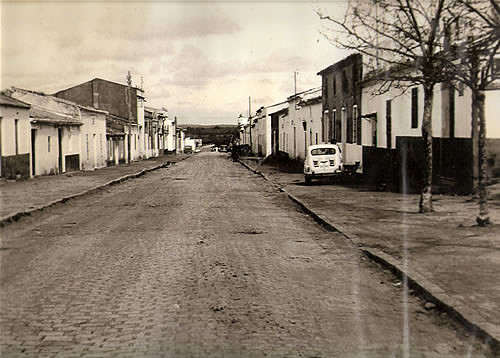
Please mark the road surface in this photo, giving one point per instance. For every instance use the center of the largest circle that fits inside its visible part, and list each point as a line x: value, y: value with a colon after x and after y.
x: 203, y: 259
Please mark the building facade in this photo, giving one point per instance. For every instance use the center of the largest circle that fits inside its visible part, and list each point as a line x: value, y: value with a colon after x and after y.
x: 93, y: 131
x: 301, y: 124
x: 342, y: 107
x: 124, y: 103
x: 15, y: 138
x: 55, y: 132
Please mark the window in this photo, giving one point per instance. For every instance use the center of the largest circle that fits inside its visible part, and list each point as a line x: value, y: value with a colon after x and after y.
x: 414, y: 108
x: 324, y: 151
x: 496, y: 69
x: 16, y: 134
x: 334, y: 86
x: 388, y: 122
x: 48, y: 144
x: 325, y: 87
x: 355, y: 124
x: 87, y: 139
x: 334, y: 120
x: 345, y: 82
x: 349, y: 127
x: 460, y: 89
x: 316, y: 138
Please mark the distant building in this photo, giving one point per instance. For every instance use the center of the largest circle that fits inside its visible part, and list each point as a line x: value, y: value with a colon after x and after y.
x: 261, y: 144
x: 193, y: 143
x: 126, y: 108
x: 180, y: 140
x: 300, y: 123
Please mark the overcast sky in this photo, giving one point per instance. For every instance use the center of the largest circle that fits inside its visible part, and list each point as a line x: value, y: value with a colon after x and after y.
x: 201, y: 60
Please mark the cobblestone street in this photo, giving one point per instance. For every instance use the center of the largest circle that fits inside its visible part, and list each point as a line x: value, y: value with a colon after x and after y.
x: 203, y: 259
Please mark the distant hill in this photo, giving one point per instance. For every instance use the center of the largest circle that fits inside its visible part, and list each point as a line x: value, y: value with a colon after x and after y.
x: 211, y: 134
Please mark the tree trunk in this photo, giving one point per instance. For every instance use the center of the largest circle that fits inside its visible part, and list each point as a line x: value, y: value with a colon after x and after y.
x: 425, y: 205
x: 475, y: 141
x: 483, y: 219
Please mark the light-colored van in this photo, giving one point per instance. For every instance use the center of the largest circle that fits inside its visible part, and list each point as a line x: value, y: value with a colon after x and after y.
x: 322, y: 160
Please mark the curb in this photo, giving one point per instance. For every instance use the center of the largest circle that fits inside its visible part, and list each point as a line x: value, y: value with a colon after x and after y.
x: 417, y: 282
x: 433, y: 293
x: 15, y: 217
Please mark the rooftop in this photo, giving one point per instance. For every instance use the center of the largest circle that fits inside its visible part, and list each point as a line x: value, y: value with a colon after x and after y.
x: 12, y: 102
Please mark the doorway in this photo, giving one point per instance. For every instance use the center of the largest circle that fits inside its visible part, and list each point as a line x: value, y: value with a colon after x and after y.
x: 33, y: 151
x: 59, y: 143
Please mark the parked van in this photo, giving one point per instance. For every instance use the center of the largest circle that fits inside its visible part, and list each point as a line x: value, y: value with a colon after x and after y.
x: 322, y: 160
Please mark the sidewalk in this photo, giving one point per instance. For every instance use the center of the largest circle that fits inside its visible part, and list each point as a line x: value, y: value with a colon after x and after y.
x: 19, y: 198
x: 450, y: 260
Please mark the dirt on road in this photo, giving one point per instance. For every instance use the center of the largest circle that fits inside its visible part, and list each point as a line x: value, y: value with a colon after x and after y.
x: 203, y: 259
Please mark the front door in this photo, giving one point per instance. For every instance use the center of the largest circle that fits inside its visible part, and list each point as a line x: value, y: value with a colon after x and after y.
x: 33, y: 151
x: 59, y: 141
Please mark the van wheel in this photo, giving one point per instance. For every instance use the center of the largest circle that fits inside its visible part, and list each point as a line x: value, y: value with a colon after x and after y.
x: 308, y: 180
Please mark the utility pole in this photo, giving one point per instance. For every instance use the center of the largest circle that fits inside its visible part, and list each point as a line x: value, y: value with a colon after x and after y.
x: 250, y: 120
x: 295, y: 81
x: 129, y: 103
x: 295, y: 73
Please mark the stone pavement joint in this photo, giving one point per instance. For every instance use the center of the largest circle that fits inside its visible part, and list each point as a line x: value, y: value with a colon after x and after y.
x: 18, y: 215
x: 416, y: 281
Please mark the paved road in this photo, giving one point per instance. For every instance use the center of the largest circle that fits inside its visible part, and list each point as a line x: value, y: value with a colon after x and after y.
x: 202, y: 259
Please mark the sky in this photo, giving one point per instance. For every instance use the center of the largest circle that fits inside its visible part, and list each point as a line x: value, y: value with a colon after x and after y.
x: 200, y: 60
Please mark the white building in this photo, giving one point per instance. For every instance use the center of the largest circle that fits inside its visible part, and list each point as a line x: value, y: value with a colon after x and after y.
x: 15, y: 138
x: 180, y: 140
x: 56, y: 142
x: 94, y: 151
x: 80, y: 148
x: 301, y: 126
x: 261, y: 141
x: 391, y: 117
x: 170, y: 136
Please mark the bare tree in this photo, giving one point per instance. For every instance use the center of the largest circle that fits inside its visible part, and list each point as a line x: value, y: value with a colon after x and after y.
x: 474, y: 38
x: 403, y: 41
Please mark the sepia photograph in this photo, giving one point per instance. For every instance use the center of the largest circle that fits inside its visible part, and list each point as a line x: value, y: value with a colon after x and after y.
x: 238, y: 178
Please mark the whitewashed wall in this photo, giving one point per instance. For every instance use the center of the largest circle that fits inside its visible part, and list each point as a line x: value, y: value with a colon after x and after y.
x: 93, y: 128
x: 8, y: 116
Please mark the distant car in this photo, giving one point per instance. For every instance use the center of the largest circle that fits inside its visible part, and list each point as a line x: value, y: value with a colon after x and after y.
x: 223, y: 148
x: 322, y: 160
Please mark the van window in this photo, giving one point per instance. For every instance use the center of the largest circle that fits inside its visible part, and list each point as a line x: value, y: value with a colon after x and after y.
x: 323, y: 151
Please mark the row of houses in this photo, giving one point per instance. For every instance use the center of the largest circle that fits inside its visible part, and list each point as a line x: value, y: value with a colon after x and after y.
x: 379, y: 134
x: 91, y: 125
